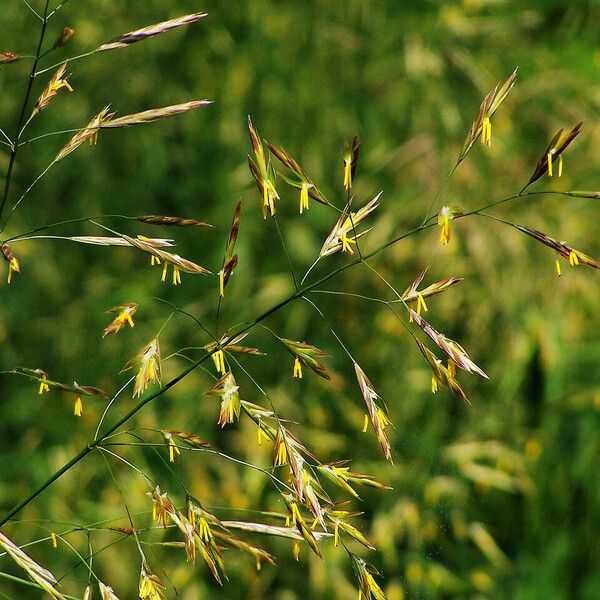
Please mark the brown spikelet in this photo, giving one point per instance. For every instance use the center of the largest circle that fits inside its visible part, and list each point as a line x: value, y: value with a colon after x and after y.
x: 125, y: 313
x: 187, y: 438
x: 558, y: 144
x: 66, y: 34
x: 488, y: 107
x: 377, y: 416
x: 148, y: 116
x: 572, y: 255
x: 345, y: 227
x: 183, y: 264
x: 8, y: 57
x: 308, y: 355
x: 410, y: 294
x: 122, y: 41
x: 172, y: 221
x: 230, y: 259
x: 453, y: 349
x: 43, y: 578
x: 56, y: 83
x: 41, y: 376
x: 441, y: 374
x: 98, y: 240
x: 293, y: 165
x: 87, y: 134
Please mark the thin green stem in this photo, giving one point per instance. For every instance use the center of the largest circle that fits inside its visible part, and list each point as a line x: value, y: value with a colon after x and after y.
x: 27, y: 235
x: 70, y: 60
x: 35, y: 12
x: 274, y: 309
x: 15, y: 147
x: 57, y: 9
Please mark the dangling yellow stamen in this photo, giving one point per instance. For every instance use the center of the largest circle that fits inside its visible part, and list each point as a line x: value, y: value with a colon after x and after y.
x: 336, y: 533
x: 347, y: 174
x: 173, y: 450
x: 231, y: 412
x: 314, y: 523
x: 13, y: 265
x: 303, y: 197
x: 365, y: 423
x: 265, y: 194
x: 204, y: 530
x: 154, y: 260
x: 176, y: 275
x: 383, y: 420
x: 549, y: 159
x: 451, y: 368
x: 445, y: 232
x: 257, y: 563
x: 281, y: 454
x: 44, y: 387
x: 297, y: 368
x: 54, y: 539
x: 573, y: 258
x: 296, y: 550
x: 560, y: 165
x: 421, y: 303
x: 486, y: 132
x: 259, y: 436
x: 557, y: 266
x: 78, y: 410
x: 164, y: 272
x: 62, y: 83
x: 346, y: 243
x: 222, y: 283
x: 219, y: 360
x: 434, y: 383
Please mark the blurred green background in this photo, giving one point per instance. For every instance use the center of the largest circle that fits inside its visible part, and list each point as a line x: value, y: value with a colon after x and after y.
x: 496, y: 500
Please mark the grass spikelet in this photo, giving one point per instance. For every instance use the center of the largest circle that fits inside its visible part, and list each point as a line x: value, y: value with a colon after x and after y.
x: 66, y: 34
x: 125, y: 313
x: 8, y: 57
x: 307, y: 355
x: 303, y: 183
x: 350, y: 158
x: 148, y: 359
x: 230, y: 259
x: 558, y: 144
x: 573, y: 256
x: 38, y: 574
x: 151, y: 587
x: 441, y: 375
x: 488, y: 107
x: 227, y: 389
x: 87, y: 134
x: 367, y: 586
x: 453, y: 349
x: 263, y: 173
x: 98, y: 240
x: 149, y: 116
x: 343, y: 235
x: 172, y: 221
x: 411, y: 293
x: 106, y: 592
x: 57, y: 82
x: 126, y: 39
x: 377, y: 416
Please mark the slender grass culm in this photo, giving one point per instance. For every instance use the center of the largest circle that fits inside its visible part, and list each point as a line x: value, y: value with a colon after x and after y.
x: 312, y: 506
